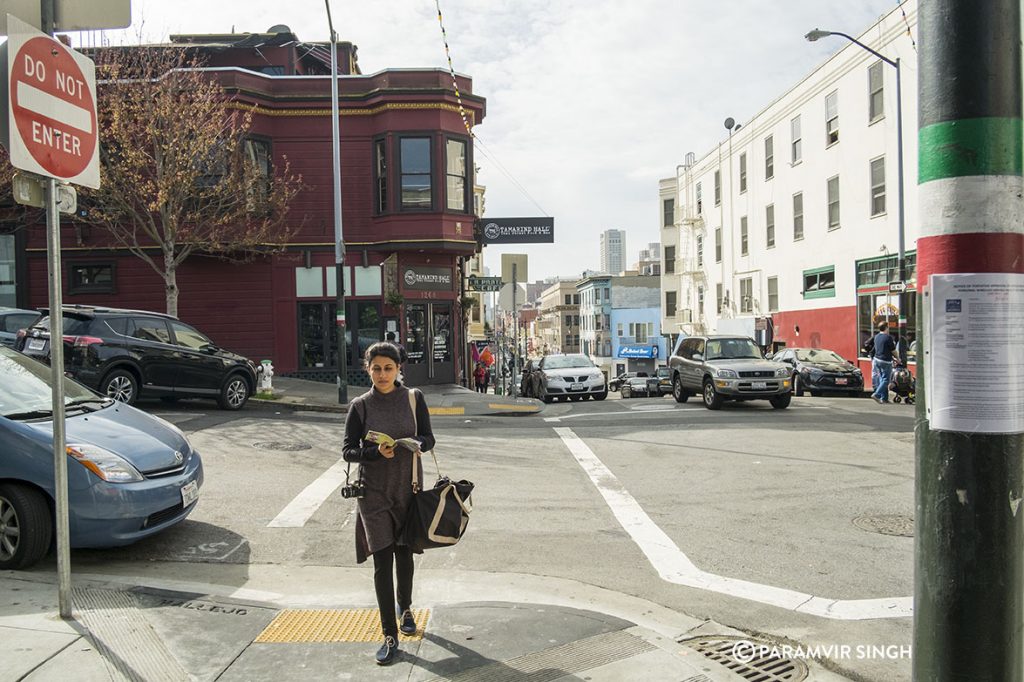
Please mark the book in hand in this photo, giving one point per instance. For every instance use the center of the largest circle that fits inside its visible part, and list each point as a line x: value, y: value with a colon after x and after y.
x: 378, y: 437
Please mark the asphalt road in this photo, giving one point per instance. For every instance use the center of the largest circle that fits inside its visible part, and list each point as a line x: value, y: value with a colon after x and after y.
x: 722, y: 515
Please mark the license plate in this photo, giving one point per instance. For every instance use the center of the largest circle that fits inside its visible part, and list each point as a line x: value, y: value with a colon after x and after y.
x: 841, y: 381
x: 759, y: 385
x: 189, y: 493
x: 36, y: 344
x: 575, y: 387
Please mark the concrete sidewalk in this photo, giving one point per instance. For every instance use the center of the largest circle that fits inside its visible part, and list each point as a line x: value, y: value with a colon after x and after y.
x: 443, y: 399
x: 123, y: 630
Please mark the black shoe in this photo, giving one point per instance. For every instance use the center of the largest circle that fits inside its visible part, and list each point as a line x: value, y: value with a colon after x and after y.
x: 388, y: 651
x: 407, y: 622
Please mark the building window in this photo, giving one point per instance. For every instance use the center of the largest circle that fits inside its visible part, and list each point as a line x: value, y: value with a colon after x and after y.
x: 744, y: 245
x: 700, y: 297
x: 700, y: 251
x: 456, y: 175
x: 769, y: 221
x: 700, y: 200
x: 794, y: 128
x: 638, y: 331
x: 833, y: 203
x: 576, y: 299
x: 820, y: 283
x: 769, y: 158
x: 773, y: 294
x: 668, y: 212
x: 670, y: 260
x: 832, y: 118
x: 798, y: 216
x: 92, y: 278
x: 878, y: 186
x: 743, y: 172
x: 568, y: 299
x: 746, y: 295
x: 718, y: 188
x: 878, y: 272
x: 257, y: 153
x: 414, y: 161
x: 718, y: 245
x: 718, y: 298
x: 670, y: 304
x: 380, y: 170
x: 876, y: 102
x: 618, y: 326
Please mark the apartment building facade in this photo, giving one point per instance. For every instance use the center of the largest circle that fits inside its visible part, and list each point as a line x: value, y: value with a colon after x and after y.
x: 788, y: 229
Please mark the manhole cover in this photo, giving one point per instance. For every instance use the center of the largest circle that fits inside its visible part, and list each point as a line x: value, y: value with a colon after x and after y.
x: 887, y: 524
x: 281, y: 445
x: 751, y: 659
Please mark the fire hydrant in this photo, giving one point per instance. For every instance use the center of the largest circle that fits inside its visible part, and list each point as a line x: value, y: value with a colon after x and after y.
x: 265, y: 377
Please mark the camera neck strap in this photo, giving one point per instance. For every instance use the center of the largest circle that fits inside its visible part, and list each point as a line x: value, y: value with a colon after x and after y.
x: 416, y: 454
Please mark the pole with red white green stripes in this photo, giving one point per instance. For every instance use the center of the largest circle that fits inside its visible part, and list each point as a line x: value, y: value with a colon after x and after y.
x: 969, y: 536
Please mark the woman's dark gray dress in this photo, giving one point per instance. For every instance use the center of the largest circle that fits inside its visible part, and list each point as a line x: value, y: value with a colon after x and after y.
x: 381, y: 512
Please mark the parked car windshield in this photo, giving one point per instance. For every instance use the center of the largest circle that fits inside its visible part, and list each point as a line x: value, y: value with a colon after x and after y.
x: 565, y: 362
x: 26, y: 385
x: 732, y: 349
x: 818, y: 355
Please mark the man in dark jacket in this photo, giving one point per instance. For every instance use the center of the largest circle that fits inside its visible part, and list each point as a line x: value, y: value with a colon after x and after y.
x: 885, y: 356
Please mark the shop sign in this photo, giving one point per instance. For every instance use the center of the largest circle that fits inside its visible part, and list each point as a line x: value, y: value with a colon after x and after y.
x: 638, y: 351
x: 517, y: 230
x: 426, y: 278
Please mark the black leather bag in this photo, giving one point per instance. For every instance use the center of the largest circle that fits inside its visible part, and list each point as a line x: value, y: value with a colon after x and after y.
x: 438, y: 517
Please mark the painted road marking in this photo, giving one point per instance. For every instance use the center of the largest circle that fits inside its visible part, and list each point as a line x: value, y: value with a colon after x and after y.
x: 305, y: 504
x: 675, y: 567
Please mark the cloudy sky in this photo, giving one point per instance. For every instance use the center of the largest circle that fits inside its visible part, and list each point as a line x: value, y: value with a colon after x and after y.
x: 589, y: 102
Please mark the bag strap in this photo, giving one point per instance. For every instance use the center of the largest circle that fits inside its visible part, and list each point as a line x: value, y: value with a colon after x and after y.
x: 416, y: 454
x: 348, y: 465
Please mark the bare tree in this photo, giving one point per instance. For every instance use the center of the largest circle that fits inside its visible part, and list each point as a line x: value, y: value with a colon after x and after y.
x: 180, y: 173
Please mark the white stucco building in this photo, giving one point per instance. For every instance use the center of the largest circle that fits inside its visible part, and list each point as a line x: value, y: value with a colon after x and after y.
x: 794, y: 215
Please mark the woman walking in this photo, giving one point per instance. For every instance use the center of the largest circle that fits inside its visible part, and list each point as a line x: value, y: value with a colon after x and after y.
x: 386, y: 472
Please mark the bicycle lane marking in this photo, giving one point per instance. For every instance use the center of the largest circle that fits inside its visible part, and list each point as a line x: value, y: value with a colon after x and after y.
x: 674, y: 566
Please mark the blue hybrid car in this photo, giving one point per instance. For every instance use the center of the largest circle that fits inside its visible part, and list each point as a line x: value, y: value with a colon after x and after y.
x: 130, y: 474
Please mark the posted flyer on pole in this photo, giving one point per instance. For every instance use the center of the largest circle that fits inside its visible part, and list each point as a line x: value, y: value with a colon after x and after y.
x: 975, y: 363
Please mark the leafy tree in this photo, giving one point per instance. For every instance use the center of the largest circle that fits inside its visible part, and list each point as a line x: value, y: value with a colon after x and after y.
x: 180, y: 173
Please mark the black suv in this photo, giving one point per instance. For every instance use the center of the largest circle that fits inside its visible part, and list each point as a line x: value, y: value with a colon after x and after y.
x: 125, y: 353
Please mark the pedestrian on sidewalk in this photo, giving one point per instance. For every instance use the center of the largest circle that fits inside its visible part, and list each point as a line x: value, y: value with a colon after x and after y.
x: 386, y: 473
x: 479, y: 377
x: 885, y: 356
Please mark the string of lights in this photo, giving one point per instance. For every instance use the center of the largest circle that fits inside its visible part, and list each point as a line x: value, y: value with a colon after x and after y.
x: 906, y: 22
x: 451, y: 69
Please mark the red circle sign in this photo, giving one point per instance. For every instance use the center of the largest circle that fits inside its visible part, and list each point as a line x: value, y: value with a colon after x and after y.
x: 53, y: 107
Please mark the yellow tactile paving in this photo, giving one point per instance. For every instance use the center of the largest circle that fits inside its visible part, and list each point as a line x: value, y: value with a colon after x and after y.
x: 514, y: 408
x: 293, y: 626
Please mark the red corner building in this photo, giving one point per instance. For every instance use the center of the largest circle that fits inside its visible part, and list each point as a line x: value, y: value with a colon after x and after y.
x: 407, y: 198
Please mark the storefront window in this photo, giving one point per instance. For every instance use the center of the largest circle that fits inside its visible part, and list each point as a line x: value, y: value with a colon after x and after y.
x: 416, y: 331
x: 7, y: 280
x: 876, y: 305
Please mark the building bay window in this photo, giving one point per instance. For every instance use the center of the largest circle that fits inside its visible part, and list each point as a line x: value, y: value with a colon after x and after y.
x: 416, y: 185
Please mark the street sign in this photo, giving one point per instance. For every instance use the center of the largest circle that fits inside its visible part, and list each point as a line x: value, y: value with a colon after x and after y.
x: 73, y: 15
x: 483, y: 283
x: 52, y: 128
x: 897, y: 287
x: 29, y: 190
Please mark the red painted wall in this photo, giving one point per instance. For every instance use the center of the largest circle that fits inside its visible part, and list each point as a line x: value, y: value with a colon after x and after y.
x: 832, y: 328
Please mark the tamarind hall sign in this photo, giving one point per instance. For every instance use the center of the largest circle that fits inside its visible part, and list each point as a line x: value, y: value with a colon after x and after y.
x: 517, y: 230
x: 50, y: 93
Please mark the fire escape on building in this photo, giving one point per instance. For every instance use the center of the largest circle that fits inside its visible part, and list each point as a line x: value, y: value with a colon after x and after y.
x: 691, y: 256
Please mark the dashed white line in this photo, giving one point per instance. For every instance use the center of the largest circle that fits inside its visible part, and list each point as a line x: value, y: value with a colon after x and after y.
x: 674, y: 566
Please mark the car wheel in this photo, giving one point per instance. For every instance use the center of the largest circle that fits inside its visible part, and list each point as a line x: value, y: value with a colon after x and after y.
x: 781, y: 402
x: 600, y: 396
x: 121, y: 385
x: 678, y: 392
x: 575, y: 398
x: 712, y: 400
x: 798, y: 386
x: 548, y: 399
x: 234, y: 393
x: 586, y: 396
x: 25, y: 526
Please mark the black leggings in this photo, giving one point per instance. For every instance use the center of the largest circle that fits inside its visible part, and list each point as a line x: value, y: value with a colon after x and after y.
x: 384, y: 562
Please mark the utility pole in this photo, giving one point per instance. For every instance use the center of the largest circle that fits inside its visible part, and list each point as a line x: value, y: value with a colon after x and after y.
x: 515, y: 330
x: 969, y: 535
x: 339, y: 238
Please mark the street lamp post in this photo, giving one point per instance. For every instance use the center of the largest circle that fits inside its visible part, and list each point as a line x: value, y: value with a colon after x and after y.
x: 339, y: 239
x: 901, y: 257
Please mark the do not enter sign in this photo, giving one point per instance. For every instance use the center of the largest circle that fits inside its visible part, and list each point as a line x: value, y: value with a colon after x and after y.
x: 52, y: 119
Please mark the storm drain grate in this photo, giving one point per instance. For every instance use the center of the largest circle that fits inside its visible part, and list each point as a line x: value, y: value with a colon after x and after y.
x: 898, y: 525
x: 281, y: 445
x: 558, y: 662
x: 333, y: 625
x: 750, y: 659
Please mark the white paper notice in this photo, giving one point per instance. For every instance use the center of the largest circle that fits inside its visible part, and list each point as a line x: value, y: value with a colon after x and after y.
x: 975, y: 343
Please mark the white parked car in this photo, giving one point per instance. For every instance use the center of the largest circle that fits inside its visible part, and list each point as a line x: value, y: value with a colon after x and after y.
x: 572, y: 377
